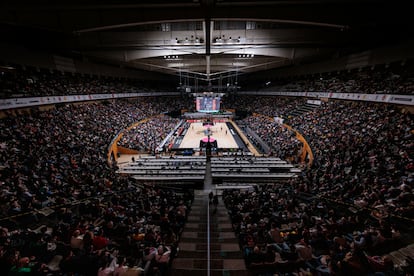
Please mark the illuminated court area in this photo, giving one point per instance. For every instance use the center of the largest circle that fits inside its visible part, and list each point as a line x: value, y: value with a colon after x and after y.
x: 219, y: 131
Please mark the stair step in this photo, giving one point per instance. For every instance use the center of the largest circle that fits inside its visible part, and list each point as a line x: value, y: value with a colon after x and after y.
x: 203, y: 239
x: 202, y: 272
x: 224, y: 247
x: 234, y: 247
x: 226, y: 257
x: 203, y: 218
x: 203, y: 212
x: 218, y: 225
x: 215, y: 225
x: 213, y: 254
x: 203, y: 230
x: 202, y: 264
x: 213, y: 240
x: 215, y: 237
x: 200, y: 235
x: 194, y: 217
x: 213, y: 218
x: 226, y: 264
x: 204, y: 207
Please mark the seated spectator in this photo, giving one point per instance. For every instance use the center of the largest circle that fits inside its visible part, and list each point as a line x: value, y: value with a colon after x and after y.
x: 270, y: 255
x: 149, y: 253
x: 108, y: 267
x: 121, y: 267
x: 381, y: 264
x: 162, y: 259
x: 100, y: 241
x: 275, y: 235
x: 324, y: 266
x: 131, y: 269
x: 21, y: 268
x: 304, y: 250
x: 362, y: 240
x: 76, y: 241
x: 256, y: 257
x: 353, y: 264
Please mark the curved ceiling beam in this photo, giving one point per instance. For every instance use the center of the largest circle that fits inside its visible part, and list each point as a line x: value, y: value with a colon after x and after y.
x: 133, y: 24
x: 100, y: 6
x: 284, y: 21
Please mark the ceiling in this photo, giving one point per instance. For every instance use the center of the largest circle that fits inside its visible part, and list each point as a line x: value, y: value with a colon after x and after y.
x: 205, y: 39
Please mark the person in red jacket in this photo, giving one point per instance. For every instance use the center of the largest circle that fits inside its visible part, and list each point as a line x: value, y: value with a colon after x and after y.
x: 100, y: 241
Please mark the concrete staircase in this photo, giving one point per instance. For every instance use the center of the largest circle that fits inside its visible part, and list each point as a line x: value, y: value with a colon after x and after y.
x: 225, y: 254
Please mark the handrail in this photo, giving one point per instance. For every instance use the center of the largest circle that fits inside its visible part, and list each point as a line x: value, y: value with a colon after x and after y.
x: 208, y: 239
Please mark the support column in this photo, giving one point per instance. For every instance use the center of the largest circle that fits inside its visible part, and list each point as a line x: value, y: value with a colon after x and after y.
x: 208, y: 67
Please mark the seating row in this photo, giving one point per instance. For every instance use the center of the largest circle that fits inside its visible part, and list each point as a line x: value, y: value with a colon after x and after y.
x: 169, y: 177
x: 163, y: 172
x: 163, y: 168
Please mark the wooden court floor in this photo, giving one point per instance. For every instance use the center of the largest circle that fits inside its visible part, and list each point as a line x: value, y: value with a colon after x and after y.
x: 220, y: 132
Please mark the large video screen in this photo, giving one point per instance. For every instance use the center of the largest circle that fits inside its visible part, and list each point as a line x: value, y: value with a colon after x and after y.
x: 208, y: 104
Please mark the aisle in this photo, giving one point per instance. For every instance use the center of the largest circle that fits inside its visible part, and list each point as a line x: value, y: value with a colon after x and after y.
x: 225, y: 255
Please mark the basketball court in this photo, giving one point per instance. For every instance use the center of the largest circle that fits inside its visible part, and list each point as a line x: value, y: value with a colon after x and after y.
x: 219, y: 131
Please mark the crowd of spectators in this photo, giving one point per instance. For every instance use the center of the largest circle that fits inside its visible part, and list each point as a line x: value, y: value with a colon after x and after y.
x: 363, y: 165
x: 363, y: 155
x: 282, y: 141
x: 54, y: 170
x: 25, y: 81
x: 281, y: 233
x: 381, y: 79
x: 262, y: 113
x: 37, y: 82
x: 264, y: 105
x: 147, y: 136
x: 136, y: 230
x: 363, y: 158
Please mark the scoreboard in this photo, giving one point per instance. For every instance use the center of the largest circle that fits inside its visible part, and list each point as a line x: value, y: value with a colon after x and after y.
x: 208, y: 104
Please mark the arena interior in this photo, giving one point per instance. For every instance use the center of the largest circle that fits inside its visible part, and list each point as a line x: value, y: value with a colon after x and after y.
x: 206, y: 137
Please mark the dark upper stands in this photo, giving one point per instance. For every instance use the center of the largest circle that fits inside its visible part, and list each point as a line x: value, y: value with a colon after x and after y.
x: 26, y: 81
x: 395, y: 78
